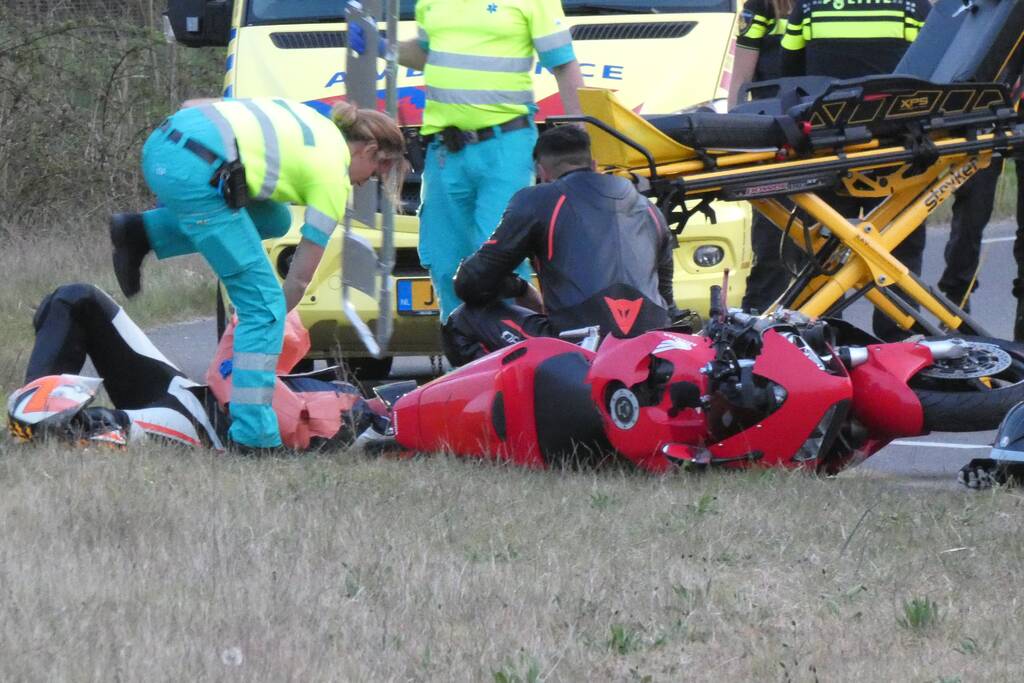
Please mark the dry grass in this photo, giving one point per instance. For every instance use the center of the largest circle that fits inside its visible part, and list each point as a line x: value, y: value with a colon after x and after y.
x: 33, y: 267
x: 159, y: 565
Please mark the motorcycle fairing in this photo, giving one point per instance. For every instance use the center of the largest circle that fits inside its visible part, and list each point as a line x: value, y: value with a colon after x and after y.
x: 487, y: 408
x: 569, y: 428
x: 882, y: 400
x: 626, y: 364
x: 810, y: 393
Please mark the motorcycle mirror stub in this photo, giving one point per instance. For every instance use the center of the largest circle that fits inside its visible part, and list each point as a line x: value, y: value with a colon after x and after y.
x: 684, y: 395
x: 589, y: 337
x: 391, y: 392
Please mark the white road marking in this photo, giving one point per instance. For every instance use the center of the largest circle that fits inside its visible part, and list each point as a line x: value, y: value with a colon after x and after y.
x: 990, y: 240
x: 940, y: 444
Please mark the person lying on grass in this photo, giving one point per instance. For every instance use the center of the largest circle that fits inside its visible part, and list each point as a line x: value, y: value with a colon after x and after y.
x: 152, y: 397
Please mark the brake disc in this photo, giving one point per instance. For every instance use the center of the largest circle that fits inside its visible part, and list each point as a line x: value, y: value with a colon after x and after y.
x: 981, y: 360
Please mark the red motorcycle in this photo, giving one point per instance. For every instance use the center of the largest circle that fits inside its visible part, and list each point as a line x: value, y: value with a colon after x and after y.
x: 782, y: 391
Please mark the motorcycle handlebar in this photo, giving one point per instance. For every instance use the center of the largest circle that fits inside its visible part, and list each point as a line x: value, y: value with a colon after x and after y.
x: 716, y: 310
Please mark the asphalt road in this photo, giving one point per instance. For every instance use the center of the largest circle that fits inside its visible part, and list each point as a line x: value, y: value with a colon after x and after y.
x: 925, y: 461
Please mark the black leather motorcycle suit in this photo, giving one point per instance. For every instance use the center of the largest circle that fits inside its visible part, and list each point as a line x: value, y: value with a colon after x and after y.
x: 602, y: 253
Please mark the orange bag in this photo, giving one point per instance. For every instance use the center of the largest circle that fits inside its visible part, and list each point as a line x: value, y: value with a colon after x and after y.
x: 301, y: 416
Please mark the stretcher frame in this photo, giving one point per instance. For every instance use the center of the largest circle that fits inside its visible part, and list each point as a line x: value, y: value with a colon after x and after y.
x: 940, y: 150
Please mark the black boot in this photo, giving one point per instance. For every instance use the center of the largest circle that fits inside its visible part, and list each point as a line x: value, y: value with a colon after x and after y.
x: 128, y: 235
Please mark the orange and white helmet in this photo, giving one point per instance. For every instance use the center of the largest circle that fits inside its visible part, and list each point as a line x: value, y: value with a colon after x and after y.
x: 49, y: 405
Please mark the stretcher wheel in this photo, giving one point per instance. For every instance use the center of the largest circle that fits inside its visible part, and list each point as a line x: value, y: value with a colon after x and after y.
x: 970, y: 403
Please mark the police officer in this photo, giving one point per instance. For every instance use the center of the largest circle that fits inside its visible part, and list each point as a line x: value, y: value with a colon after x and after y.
x: 759, y: 58
x: 972, y: 209
x: 477, y: 59
x: 759, y: 43
x: 850, y: 39
x: 203, y: 163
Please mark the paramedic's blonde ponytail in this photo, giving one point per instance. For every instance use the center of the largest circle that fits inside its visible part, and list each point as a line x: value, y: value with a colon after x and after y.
x: 369, y: 125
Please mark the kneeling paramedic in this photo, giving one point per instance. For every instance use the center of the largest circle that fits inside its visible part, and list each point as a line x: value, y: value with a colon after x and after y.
x: 601, y: 250
x: 207, y: 164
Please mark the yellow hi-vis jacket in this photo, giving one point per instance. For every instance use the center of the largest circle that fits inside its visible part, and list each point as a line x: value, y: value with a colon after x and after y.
x: 292, y: 154
x: 480, y: 55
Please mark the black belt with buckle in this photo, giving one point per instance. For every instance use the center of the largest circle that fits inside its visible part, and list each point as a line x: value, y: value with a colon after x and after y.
x: 228, y: 177
x: 200, y: 150
x: 455, y: 139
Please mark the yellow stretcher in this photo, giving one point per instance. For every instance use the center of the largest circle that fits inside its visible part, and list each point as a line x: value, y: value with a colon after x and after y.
x: 899, y: 144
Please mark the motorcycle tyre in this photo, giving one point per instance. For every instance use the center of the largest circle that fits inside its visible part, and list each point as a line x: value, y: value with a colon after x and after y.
x: 973, y: 410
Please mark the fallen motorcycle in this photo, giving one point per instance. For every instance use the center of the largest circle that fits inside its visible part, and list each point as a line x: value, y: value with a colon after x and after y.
x: 782, y: 390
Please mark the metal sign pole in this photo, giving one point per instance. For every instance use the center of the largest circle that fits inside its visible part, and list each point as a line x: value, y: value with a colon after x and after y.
x: 385, y: 317
x: 360, y: 267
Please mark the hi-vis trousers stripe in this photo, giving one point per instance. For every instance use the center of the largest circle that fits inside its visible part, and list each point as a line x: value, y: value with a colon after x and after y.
x: 256, y: 362
x: 252, y: 395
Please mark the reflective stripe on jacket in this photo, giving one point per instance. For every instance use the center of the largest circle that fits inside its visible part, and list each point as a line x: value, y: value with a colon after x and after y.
x: 836, y: 19
x: 480, y: 58
x: 291, y: 154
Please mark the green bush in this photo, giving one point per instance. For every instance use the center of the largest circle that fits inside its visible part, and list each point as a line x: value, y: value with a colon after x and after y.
x: 77, y: 99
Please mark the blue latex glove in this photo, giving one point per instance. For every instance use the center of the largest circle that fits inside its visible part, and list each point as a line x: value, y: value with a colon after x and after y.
x: 357, y: 40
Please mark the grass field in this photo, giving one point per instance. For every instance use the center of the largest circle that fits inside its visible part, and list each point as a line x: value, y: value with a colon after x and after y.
x: 163, y: 565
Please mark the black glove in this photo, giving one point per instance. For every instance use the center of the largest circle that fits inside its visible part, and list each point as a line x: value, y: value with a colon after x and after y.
x: 686, y: 320
x: 984, y: 473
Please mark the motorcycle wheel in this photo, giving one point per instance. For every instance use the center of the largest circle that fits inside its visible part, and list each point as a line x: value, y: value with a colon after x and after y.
x: 952, y: 404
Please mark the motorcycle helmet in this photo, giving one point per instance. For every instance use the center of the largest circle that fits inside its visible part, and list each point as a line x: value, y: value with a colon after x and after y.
x: 50, y: 407
x: 1009, y: 443
x: 1005, y: 463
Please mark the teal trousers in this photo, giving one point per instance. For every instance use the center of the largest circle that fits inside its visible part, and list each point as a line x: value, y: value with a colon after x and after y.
x: 463, y: 197
x: 194, y: 218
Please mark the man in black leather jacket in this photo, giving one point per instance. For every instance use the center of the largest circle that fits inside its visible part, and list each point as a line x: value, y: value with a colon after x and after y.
x: 601, y: 250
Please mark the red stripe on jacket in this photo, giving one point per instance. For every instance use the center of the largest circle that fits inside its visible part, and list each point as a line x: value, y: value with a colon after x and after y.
x: 551, y: 227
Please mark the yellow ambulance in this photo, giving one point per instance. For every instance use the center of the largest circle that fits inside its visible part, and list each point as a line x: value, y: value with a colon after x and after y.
x: 659, y: 56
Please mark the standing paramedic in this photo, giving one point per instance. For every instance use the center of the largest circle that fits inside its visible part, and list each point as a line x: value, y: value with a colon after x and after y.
x: 477, y: 59
x: 601, y: 250
x: 850, y: 40
x: 208, y: 163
